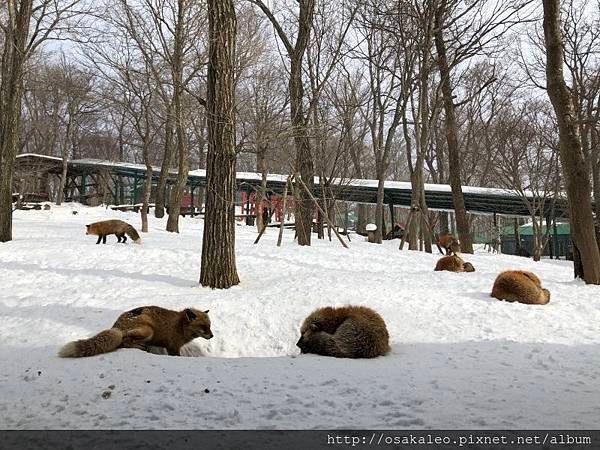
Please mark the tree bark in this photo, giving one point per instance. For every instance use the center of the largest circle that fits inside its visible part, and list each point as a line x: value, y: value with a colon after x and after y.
x: 218, y: 268
x: 146, y: 199
x: 149, y: 173
x: 11, y: 95
x: 571, y: 154
x: 261, y: 167
x: 161, y: 187
x: 304, y: 208
x: 460, y: 211
x: 181, y: 139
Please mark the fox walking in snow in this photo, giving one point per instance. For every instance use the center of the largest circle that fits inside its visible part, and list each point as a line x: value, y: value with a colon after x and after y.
x: 520, y: 286
x: 449, y: 243
x: 116, y: 227
x: 346, y: 332
x: 143, y: 327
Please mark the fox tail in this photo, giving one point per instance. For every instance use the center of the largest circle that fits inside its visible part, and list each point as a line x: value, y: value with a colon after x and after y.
x: 104, y: 342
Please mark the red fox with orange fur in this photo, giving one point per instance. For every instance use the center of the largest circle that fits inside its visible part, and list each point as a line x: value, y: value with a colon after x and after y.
x: 144, y: 327
x: 453, y: 263
x: 520, y: 286
x: 116, y: 227
x: 449, y: 243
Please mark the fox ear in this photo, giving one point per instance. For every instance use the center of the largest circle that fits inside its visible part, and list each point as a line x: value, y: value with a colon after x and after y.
x: 206, y: 312
x: 189, y: 315
x: 87, y: 226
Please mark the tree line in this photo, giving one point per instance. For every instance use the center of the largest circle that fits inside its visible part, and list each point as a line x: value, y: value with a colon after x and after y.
x: 497, y: 94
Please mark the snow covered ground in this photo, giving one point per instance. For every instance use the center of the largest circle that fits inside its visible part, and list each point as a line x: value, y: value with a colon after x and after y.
x: 459, y: 359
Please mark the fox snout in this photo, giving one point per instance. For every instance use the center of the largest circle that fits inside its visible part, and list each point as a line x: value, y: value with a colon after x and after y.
x: 301, y: 344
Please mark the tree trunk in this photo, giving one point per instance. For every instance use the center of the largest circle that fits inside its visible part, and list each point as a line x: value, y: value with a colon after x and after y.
x: 261, y: 167
x: 304, y: 208
x: 178, y: 190
x: 571, y: 154
x: 218, y: 245
x: 182, y: 147
x: 460, y: 211
x: 379, y: 207
x: 537, y: 247
x: 65, y: 158
x: 595, y: 154
x: 146, y: 199
x: 148, y: 182
x: 161, y: 187
x: 60, y: 197
x: 11, y: 95
x: 362, y: 218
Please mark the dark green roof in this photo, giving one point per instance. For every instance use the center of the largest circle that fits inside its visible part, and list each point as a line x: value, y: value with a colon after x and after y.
x: 527, y: 230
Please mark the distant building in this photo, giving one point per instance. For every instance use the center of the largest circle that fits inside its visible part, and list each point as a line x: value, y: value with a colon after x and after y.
x: 559, y: 244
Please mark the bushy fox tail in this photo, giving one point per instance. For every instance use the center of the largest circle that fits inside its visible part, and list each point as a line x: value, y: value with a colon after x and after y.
x: 104, y: 342
x: 133, y: 234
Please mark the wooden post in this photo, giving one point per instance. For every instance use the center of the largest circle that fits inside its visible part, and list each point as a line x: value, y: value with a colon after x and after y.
x: 322, y: 212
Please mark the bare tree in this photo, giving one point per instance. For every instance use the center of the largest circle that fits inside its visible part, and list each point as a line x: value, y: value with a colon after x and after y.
x: 383, y: 113
x: 75, y: 91
x: 25, y: 25
x: 572, y: 158
x: 169, y: 37
x: 528, y: 163
x: 304, y: 165
x: 14, y: 54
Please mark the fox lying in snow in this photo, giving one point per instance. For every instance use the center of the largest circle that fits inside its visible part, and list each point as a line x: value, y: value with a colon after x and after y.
x: 116, y: 227
x: 520, y: 286
x: 144, y: 327
x: 344, y: 332
x: 454, y: 263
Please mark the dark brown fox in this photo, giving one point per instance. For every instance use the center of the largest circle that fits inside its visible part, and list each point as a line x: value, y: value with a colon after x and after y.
x: 520, y: 286
x: 449, y: 243
x: 346, y: 332
x: 454, y: 263
x: 144, y: 327
x: 116, y: 227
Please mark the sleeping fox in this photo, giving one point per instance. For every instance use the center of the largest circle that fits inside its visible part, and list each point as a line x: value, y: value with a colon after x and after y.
x: 116, y: 227
x: 520, y: 286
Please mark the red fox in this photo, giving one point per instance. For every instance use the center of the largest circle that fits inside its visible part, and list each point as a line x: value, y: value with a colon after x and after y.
x: 144, y: 327
x: 449, y: 243
x: 346, y: 332
x: 116, y: 227
x: 454, y: 263
x: 520, y: 286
